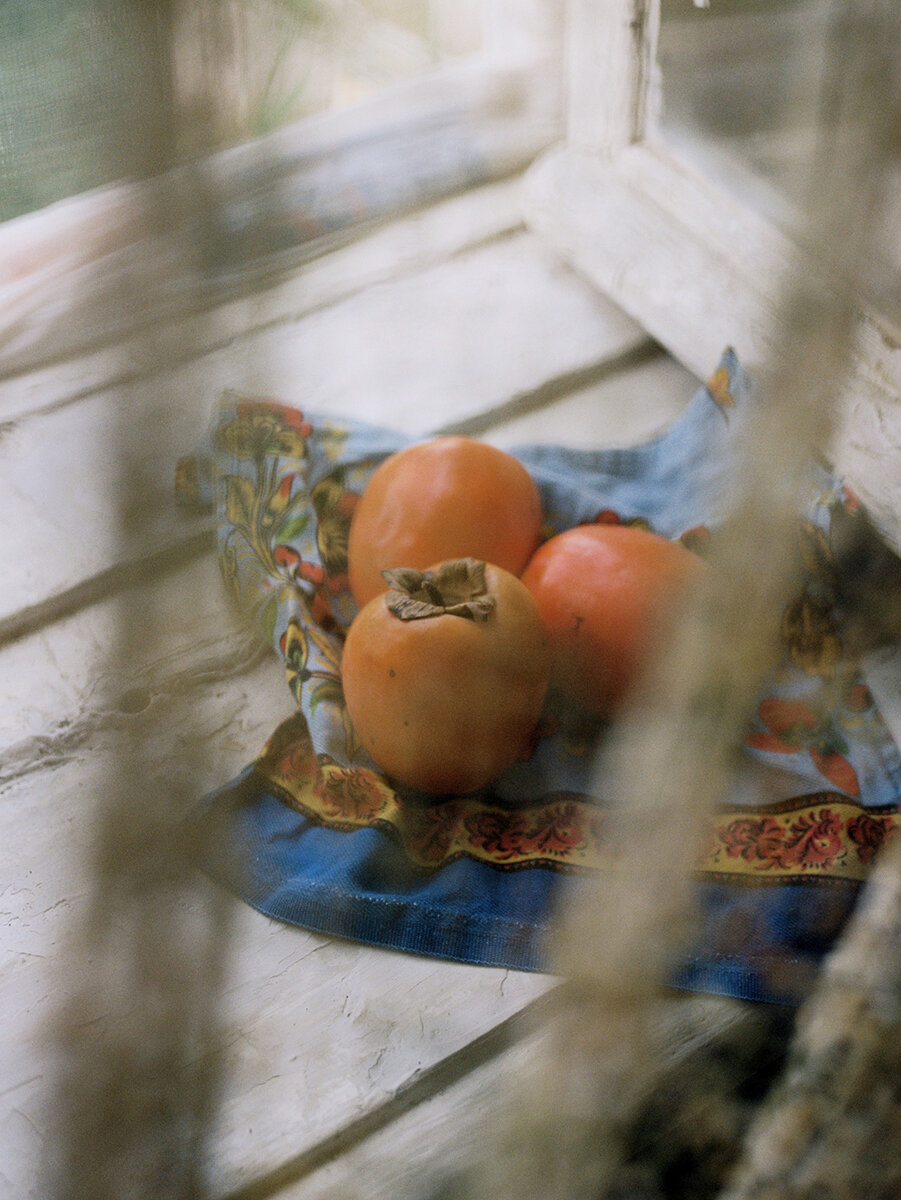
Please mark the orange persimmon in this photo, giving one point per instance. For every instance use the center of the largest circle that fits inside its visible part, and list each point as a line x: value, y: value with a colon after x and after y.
x: 445, y: 675
x: 451, y: 497
x: 604, y: 593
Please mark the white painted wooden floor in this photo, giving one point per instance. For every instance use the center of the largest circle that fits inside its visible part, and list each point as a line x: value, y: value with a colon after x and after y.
x: 455, y: 317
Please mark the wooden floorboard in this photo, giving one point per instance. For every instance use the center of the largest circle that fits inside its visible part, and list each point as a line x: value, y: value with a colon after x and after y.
x: 386, y: 253
x: 318, y: 1031
x: 62, y: 682
x: 326, y: 1042
x: 435, y: 1150
x: 438, y: 345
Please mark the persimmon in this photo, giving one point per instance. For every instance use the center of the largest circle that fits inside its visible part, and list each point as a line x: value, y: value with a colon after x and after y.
x: 450, y: 497
x: 445, y: 675
x: 604, y: 593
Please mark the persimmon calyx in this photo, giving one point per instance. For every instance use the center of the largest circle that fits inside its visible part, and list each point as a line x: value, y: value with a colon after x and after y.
x: 457, y: 589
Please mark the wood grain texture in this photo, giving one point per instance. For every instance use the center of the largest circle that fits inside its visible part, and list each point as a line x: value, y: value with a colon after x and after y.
x: 437, y: 1149
x: 441, y: 343
x: 612, y: 49
x: 317, y: 1030
x: 61, y: 686
x: 417, y: 242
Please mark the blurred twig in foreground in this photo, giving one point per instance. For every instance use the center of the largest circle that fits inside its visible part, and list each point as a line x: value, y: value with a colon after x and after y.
x: 140, y: 978
x: 564, y: 1135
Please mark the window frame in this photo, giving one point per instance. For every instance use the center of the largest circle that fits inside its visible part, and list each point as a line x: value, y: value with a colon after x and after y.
x: 688, y: 260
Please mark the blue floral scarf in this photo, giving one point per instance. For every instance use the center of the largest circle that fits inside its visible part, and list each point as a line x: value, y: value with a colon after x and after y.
x: 319, y: 837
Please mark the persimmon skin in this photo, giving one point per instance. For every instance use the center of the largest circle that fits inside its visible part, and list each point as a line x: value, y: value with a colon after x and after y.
x: 450, y: 497
x: 445, y: 704
x: 605, y: 593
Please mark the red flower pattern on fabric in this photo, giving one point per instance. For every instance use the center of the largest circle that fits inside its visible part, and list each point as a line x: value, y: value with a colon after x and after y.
x: 350, y: 793
x: 289, y: 752
x: 499, y: 834
x: 818, y: 836
x: 430, y: 830
x: 812, y: 842
x: 293, y: 418
x: 555, y: 830
x: 752, y: 837
x: 287, y: 558
x: 869, y: 834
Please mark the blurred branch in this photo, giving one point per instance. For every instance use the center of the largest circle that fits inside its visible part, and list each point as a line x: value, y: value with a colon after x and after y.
x: 137, y: 1028
x: 832, y: 1127
x: 672, y: 756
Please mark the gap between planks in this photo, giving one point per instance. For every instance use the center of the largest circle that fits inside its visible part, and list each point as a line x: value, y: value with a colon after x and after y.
x: 420, y: 1087
x: 105, y: 584
x: 169, y: 557
x: 445, y: 343
x: 531, y: 401
x: 386, y: 253
x: 462, y: 1100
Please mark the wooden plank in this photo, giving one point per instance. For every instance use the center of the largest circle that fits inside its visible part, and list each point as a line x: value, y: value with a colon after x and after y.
x: 440, y: 344
x: 693, y: 290
x: 623, y: 408
x: 435, y: 1149
x: 318, y: 1031
x: 427, y: 1151
x: 415, y: 243
x: 610, y: 64
x: 326, y: 1032
x: 61, y: 688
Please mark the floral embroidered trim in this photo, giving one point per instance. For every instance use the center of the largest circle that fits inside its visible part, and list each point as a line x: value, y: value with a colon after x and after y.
x: 824, y: 836
x: 560, y: 831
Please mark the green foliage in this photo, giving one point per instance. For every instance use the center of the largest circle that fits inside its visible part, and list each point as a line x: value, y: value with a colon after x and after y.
x: 280, y: 93
x: 72, y: 77
x: 80, y: 88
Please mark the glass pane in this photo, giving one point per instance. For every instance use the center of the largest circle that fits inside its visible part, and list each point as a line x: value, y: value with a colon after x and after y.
x: 72, y: 72
x: 743, y: 99
x: 741, y: 91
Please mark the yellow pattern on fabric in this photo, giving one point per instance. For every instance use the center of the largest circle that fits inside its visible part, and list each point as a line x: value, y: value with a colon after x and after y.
x: 824, y: 836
